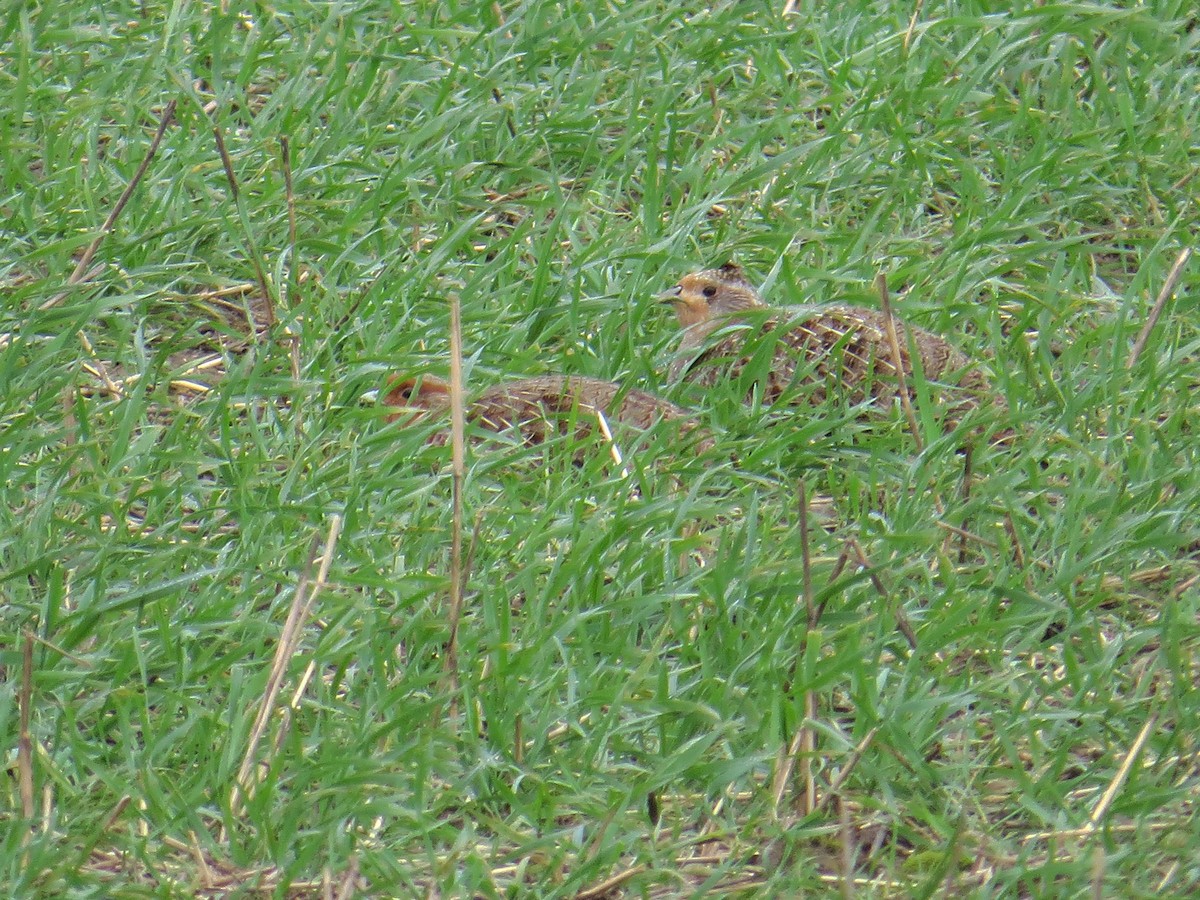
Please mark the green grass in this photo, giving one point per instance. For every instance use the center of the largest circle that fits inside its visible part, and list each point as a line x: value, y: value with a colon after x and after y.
x: 1024, y: 179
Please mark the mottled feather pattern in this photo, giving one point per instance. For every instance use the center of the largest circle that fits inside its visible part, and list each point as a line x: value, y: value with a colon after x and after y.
x: 541, y: 407
x: 845, y: 347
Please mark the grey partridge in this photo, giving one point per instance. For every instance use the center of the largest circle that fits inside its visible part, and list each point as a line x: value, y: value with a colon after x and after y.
x: 538, y: 408
x: 815, y: 346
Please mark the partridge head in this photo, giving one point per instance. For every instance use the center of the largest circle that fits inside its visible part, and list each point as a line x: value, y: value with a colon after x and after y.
x: 700, y: 296
x: 413, y: 397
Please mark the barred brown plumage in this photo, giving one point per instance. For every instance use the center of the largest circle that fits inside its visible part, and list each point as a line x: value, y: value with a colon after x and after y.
x: 541, y: 407
x: 845, y: 347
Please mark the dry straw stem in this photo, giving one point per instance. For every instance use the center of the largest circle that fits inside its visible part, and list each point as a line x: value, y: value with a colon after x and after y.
x: 289, y: 643
x: 806, y: 558
x: 25, y: 739
x: 847, y: 855
x: 912, y: 24
x: 206, y: 873
x: 1118, y: 780
x: 192, y: 872
x: 785, y: 764
x: 609, y: 885
x: 1164, y: 295
x: 98, y: 368
x: 802, y: 747
x: 1099, y: 864
x: 285, y: 726
x: 808, y: 743
x: 889, y: 322
x: 79, y: 276
x: 111, y: 819
x: 458, y: 427
x: 783, y: 774
x: 613, y: 448
x: 285, y: 152
x: 808, y: 748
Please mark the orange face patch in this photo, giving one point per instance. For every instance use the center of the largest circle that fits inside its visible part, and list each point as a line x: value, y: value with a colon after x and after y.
x: 692, y: 301
x: 413, y: 396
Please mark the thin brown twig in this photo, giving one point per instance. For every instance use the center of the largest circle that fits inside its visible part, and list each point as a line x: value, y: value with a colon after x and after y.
x: 476, y: 529
x: 835, y: 786
x: 861, y: 556
x: 349, y: 883
x: 285, y: 150
x: 889, y: 322
x: 838, y: 565
x: 25, y: 738
x: 111, y: 819
x: 718, y: 112
x: 1164, y: 295
x: 806, y: 557
x: 226, y: 162
x: 97, y: 367
x: 966, y: 535
x: 1010, y: 529
x: 357, y: 302
x: 801, y: 747
x: 78, y: 276
x: 968, y: 474
x: 62, y: 295
x: 259, y: 274
x: 902, y: 623
x: 601, y: 832
x: 50, y: 645
x: 458, y: 469
x: 1183, y: 586
x: 808, y: 743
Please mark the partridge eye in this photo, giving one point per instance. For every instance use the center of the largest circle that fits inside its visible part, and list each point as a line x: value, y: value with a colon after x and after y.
x: 709, y: 291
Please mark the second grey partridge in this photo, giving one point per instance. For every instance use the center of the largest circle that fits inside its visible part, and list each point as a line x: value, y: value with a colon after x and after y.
x: 541, y: 407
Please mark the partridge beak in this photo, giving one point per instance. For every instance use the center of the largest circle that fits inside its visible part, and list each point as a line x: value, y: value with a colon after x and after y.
x: 671, y: 296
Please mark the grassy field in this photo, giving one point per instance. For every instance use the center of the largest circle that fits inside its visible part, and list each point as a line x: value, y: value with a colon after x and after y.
x: 648, y: 701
